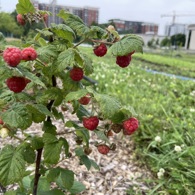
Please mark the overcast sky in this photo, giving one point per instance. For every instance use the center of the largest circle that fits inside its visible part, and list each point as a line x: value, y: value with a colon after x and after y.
x: 135, y: 10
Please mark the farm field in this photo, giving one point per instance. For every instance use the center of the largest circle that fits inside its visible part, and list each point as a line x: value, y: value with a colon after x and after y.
x: 165, y: 107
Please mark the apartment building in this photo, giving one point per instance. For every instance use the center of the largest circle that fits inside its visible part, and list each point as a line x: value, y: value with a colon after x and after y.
x: 87, y: 14
x: 135, y: 27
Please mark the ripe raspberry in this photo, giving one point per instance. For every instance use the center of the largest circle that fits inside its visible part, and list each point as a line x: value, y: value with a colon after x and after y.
x: 130, y: 125
x: 84, y: 100
x: 103, y: 149
x: 91, y: 123
x: 12, y: 55
x: 1, y: 122
x: 100, y: 50
x: 16, y: 84
x: 45, y: 17
x: 76, y: 74
x: 20, y: 19
x: 117, y: 128
x: 123, y: 61
x: 29, y: 54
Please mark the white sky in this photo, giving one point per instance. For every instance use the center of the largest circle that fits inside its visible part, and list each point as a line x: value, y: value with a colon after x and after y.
x: 135, y: 10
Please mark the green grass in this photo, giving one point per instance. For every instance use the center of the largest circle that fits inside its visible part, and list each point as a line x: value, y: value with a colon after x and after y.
x: 165, y: 107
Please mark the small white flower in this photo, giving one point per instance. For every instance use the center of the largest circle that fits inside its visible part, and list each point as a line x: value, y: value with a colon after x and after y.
x: 160, y: 175
x: 4, y: 132
x: 161, y: 170
x: 157, y: 139
x: 177, y: 148
x: 192, y: 110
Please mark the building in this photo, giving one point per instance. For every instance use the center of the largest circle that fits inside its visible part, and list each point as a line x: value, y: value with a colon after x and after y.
x: 175, y: 28
x: 125, y: 26
x: 190, y: 39
x: 88, y: 14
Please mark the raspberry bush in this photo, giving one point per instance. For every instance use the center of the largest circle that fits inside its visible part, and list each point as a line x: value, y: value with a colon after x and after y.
x: 38, y: 81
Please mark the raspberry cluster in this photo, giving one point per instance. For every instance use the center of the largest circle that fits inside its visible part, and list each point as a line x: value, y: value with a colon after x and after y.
x: 13, y: 55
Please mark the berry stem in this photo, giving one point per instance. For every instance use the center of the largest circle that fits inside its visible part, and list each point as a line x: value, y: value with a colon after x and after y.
x: 99, y: 41
x: 82, y: 41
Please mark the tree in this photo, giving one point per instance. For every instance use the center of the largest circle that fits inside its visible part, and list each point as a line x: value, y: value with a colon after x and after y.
x: 166, y: 42
x: 8, y: 26
x: 178, y: 39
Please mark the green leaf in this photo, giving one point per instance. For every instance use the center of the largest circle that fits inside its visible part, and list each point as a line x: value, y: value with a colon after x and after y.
x: 97, y: 32
x: 48, y: 52
x: 65, y: 59
x: 25, y: 6
x: 12, y: 165
x: 52, y: 148
x: 86, y: 161
x: 65, y: 144
x: 51, y: 192
x: 67, y: 178
x: 31, y: 76
x: 94, y: 164
x: 63, y: 31
x: 17, y: 116
x: 45, y: 32
x: 53, y: 174
x: 42, y: 41
x: 101, y: 135
x: 118, y: 117
x: 75, y: 95
x: 81, y: 112
x: 37, y: 116
x: 79, y: 151
x: 127, y: 44
x: 52, y: 93
x: 108, y: 105
x: 48, y: 127
x: 37, y: 142
x: 77, y: 188
x: 43, y: 185
x: 74, y: 22
x: 84, y: 134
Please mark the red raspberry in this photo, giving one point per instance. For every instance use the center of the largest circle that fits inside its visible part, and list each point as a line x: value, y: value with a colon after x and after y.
x: 29, y: 54
x: 84, y: 100
x: 91, y: 123
x: 12, y: 55
x: 76, y: 74
x: 100, y: 50
x: 123, y: 61
x: 45, y: 17
x: 16, y: 84
x: 1, y: 122
x: 103, y: 149
x: 130, y: 125
x: 20, y: 19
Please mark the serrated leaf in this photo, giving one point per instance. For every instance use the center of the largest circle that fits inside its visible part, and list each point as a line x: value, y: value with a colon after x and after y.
x: 25, y: 6
x: 127, y: 44
x: 37, y: 116
x: 118, y: 117
x: 65, y: 59
x: 52, y: 93
x: 67, y: 177
x: 86, y: 161
x: 45, y: 32
x: 43, y: 185
x: 101, y: 135
x: 63, y: 31
x: 108, y: 105
x: 31, y: 76
x: 81, y: 112
x: 42, y: 41
x: 79, y: 151
x: 84, y: 134
x: 51, y: 192
x: 37, y: 142
x: 74, y: 22
x: 17, y: 116
x: 97, y: 32
x: 47, y: 52
x: 87, y: 64
x: 65, y: 144
x: 12, y: 165
x: 48, y: 127
x: 77, y: 188
x: 52, y: 148
x: 75, y: 95
x: 53, y: 174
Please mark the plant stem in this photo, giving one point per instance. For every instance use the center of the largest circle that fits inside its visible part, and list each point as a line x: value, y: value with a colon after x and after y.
x: 39, y: 151
x: 37, y: 174
x: 79, y: 43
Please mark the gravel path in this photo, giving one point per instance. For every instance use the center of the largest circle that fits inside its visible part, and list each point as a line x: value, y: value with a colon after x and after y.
x: 119, y: 170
